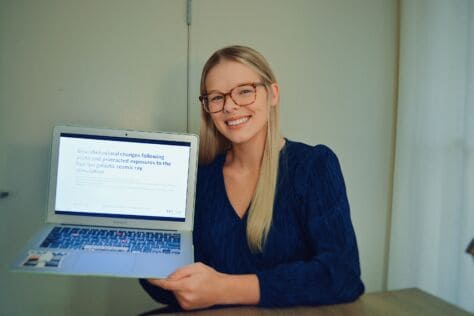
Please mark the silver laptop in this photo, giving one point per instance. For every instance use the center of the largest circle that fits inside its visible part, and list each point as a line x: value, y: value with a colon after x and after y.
x: 121, y: 204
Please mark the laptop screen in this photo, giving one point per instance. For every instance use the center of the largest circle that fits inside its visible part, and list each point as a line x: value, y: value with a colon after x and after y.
x: 122, y: 177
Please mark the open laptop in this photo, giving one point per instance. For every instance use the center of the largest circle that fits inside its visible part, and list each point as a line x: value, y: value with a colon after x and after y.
x: 121, y: 203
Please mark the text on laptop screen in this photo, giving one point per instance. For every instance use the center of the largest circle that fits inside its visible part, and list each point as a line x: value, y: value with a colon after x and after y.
x: 122, y: 177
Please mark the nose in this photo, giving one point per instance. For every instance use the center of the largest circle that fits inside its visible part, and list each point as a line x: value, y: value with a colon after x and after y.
x: 229, y: 104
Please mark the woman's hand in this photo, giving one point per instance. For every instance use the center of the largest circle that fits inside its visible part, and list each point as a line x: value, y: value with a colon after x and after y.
x: 195, y: 286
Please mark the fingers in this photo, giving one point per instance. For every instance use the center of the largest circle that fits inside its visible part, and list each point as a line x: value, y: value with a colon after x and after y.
x: 194, y: 286
x: 183, y: 272
x: 154, y: 281
x: 173, y: 281
x: 171, y: 285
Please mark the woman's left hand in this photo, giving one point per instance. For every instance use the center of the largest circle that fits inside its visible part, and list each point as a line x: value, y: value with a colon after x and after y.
x: 194, y: 286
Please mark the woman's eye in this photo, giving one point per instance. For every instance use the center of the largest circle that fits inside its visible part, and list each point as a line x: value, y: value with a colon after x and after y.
x: 215, y: 98
x: 245, y: 91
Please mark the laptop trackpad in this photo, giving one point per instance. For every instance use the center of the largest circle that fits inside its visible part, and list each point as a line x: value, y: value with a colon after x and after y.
x: 106, y: 263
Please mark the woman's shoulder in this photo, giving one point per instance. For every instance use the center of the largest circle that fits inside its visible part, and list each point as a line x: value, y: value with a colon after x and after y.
x: 307, y: 165
x: 307, y: 155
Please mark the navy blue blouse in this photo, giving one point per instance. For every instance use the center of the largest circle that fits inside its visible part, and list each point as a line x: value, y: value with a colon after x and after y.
x: 310, y: 255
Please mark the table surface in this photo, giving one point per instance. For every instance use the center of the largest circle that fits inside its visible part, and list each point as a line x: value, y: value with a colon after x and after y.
x: 404, y: 302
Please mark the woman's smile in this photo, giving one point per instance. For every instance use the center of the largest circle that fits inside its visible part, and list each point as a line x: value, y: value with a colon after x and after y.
x: 237, y: 122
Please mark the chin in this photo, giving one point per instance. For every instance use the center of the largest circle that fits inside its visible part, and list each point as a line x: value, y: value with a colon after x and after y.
x: 243, y: 135
x: 238, y: 139
x: 242, y: 138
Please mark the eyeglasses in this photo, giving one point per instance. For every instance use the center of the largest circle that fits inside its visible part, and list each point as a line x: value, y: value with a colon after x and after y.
x: 242, y: 95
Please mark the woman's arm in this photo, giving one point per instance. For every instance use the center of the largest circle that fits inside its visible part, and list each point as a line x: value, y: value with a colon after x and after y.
x: 241, y: 289
x: 330, y: 277
x: 332, y: 274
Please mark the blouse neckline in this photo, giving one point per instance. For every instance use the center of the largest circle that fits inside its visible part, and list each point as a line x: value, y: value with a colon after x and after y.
x: 220, y: 166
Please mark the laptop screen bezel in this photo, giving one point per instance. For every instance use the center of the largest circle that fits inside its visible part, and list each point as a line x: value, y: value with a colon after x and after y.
x: 111, y: 221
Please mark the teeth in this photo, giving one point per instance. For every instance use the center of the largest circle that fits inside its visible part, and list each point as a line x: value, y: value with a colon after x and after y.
x: 239, y: 121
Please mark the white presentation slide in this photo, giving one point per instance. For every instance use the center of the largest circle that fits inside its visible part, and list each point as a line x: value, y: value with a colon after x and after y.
x: 125, y: 178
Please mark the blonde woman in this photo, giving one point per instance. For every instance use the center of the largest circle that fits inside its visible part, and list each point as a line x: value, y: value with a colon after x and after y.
x: 272, y: 223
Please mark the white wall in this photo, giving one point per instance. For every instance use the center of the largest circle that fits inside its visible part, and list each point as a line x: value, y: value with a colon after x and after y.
x: 433, y: 208
x: 97, y: 63
x: 123, y: 64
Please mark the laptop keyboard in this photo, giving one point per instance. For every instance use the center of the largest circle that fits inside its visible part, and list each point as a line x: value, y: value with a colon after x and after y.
x: 97, y: 239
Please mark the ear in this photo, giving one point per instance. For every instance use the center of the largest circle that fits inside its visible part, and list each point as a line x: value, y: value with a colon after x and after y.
x: 275, y: 89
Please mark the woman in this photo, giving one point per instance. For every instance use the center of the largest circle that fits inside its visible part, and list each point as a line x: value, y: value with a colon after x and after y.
x: 272, y: 223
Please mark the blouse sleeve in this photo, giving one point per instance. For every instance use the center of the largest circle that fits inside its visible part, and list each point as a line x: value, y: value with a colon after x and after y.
x: 332, y: 273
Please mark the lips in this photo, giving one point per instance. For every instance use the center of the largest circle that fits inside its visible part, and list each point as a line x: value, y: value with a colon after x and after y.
x: 237, y: 121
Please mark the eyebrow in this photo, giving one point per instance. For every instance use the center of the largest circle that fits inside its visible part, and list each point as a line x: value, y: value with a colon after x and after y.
x: 238, y: 85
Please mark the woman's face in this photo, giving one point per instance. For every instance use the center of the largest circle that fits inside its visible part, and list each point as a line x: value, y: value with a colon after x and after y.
x: 240, y: 124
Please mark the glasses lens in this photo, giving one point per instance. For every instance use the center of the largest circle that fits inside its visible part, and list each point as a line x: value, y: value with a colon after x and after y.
x: 244, y: 95
x: 215, y: 101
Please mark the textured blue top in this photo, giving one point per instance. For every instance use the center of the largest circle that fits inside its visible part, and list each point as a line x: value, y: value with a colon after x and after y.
x: 310, y: 256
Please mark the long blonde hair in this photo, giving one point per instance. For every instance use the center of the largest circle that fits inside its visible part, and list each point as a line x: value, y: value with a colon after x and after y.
x: 212, y: 143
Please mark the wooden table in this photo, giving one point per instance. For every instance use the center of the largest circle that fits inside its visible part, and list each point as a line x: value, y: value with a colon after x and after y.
x: 405, y: 302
